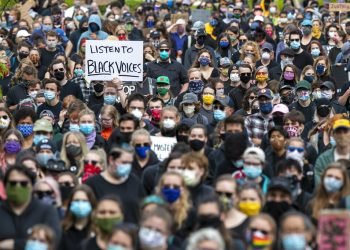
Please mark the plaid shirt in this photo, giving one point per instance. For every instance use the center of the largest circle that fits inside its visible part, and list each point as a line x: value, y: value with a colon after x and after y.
x: 84, y: 85
x: 257, y: 125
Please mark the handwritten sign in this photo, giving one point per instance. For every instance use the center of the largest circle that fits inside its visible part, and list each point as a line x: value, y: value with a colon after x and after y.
x: 342, y: 7
x: 107, y: 59
x: 24, y: 9
x: 200, y: 15
x: 333, y: 230
x: 162, y: 146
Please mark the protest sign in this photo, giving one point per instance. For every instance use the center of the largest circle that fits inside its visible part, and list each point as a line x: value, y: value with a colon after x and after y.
x: 341, y: 7
x: 106, y: 59
x: 162, y: 146
x: 334, y: 230
x: 200, y: 15
x: 175, y: 17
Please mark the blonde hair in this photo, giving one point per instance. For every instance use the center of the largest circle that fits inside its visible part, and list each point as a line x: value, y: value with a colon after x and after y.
x: 255, y: 47
x: 110, y: 110
x: 102, y: 154
x: 87, y: 112
x: 48, y: 232
x: 182, y: 205
x: 138, y: 132
x: 54, y: 186
x: 270, y: 221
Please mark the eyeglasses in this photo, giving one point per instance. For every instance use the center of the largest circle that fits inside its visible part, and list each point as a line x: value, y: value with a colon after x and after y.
x: 252, y: 97
x: 58, y: 70
x: 41, y: 194
x: 138, y: 145
x: 216, y: 107
x: 243, y: 40
x: 172, y: 186
x: 292, y: 149
x: 93, y: 162
x: 227, y: 194
x: 18, y: 183
x: 294, y: 40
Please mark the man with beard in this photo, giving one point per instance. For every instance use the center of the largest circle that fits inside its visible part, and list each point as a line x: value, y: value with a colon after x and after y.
x: 169, y: 119
x: 301, y: 57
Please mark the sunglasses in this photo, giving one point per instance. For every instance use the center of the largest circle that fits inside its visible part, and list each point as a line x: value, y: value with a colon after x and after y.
x: 243, y: 41
x: 138, y: 145
x: 18, y: 183
x: 294, y: 40
x: 41, y: 194
x: 188, y: 104
x: 227, y: 194
x: 292, y: 149
x: 58, y: 70
x: 66, y: 184
x: 252, y: 97
x: 172, y: 186
x: 5, y: 117
x: 161, y: 50
x: 91, y: 162
x: 219, y: 107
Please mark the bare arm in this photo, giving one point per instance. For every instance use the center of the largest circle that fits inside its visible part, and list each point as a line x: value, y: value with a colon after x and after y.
x: 69, y: 48
x: 342, y: 99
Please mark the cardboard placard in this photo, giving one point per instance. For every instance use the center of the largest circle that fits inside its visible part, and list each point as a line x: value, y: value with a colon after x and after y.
x: 341, y: 7
x: 200, y: 15
x: 162, y: 146
x: 24, y: 9
x: 106, y: 59
x: 334, y: 230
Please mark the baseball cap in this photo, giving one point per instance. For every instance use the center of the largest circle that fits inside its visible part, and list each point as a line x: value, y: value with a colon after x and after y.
x: 22, y: 33
x: 267, y: 46
x: 259, y: 19
x: 341, y: 123
x: 282, y: 108
x: 281, y: 183
x: 265, y: 92
x: 303, y: 85
x: 200, y: 32
x: 198, y: 25
x: 42, y: 125
x: 287, y: 52
x: 189, y: 98
x: 225, y: 62
x: 328, y: 85
x: 224, y: 101
x: 163, y: 79
x: 322, y: 102
x: 46, y: 144
x: 48, y: 113
x: 155, y: 34
x: 62, y: 35
x: 255, y: 152
x: 306, y: 22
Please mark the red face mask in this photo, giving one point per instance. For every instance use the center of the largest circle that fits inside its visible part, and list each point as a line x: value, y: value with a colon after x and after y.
x: 122, y: 37
x: 155, y: 113
x: 89, y: 171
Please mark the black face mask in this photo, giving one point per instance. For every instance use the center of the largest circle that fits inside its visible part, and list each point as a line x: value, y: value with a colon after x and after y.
x: 323, y: 111
x: 278, y: 120
x: 182, y: 138
x: 83, y: 29
x: 59, y: 75
x: 126, y: 136
x: 200, y: 40
x: 65, y: 192
x: 276, y: 209
x: 196, y: 144
x: 168, y: 132
x: 245, y: 78
x: 210, y: 220
x: 287, y: 99
x: 254, y: 111
x: 73, y: 151
x: 98, y: 88
x: 22, y: 55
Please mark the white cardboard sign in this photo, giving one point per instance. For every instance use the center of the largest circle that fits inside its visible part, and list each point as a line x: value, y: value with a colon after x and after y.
x: 162, y: 146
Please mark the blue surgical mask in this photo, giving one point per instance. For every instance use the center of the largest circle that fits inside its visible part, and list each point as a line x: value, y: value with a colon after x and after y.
x: 115, y: 247
x: 80, y: 209
x: 213, y: 22
x: 86, y: 128
x: 219, y: 115
x: 39, y: 138
x: 110, y: 99
x: 239, y: 163
x: 164, y: 55
x: 142, y: 151
x: 304, y: 97
x: 49, y: 95
x: 252, y: 172
x: 123, y: 170
x: 171, y: 194
x: 78, y: 72
x: 43, y: 158
x: 224, y: 44
x: 74, y: 127
x: 294, y: 242
x: 47, y: 27
x: 266, y: 108
x: 315, y: 52
x: 25, y: 129
x: 295, y: 45
x: 332, y: 185
x: 36, y: 245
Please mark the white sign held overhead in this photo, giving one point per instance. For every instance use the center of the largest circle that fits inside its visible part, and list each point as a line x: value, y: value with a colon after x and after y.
x: 105, y: 59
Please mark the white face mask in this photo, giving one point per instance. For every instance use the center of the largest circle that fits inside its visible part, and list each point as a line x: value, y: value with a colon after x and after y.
x: 327, y: 94
x: 234, y: 77
x: 169, y: 124
x: 188, y: 110
x: 265, y: 56
x: 296, y: 156
x: 151, y: 239
x: 33, y: 94
x: 4, y: 123
x: 220, y: 92
x: 137, y: 113
x: 190, y: 177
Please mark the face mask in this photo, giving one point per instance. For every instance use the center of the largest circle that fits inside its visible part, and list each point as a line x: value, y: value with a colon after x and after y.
x: 59, y: 75
x: 25, y: 129
x: 23, y: 55
x: 123, y: 170
x: 304, y: 97
x: 115, y: 247
x: 51, y: 44
x: 245, y: 78
x: 292, y: 131
x: 155, y: 113
x: 33, y: 94
x: 289, y: 76
x: 65, y: 192
x: 265, y: 56
x: 94, y: 27
x: 261, y: 78
x: 213, y: 22
x: 208, y: 99
x: 49, y: 95
x: 195, y: 86
x: 142, y: 151
x: 137, y: 113
x: 265, y: 108
x: 220, y: 92
x: 200, y: 40
x: 78, y: 72
x: 182, y: 138
x: 73, y: 150
x: 171, y: 194
x: 162, y: 91
x: 164, y: 55
x: 12, y: 147
x: 204, y: 61
x: 310, y: 79
x: 224, y: 44
x: 327, y: 94
x: 294, y: 242
x: 320, y: 69
x: 252, y: 172
x: 43, y: 158
x: 39, y: 138
x: 36, y: 245
x: 315, y: 53
x: 209, y: 220
x: 74, y: 127
x: 332, y: 185
x: 122, y: 37
x: 273, y: 10
x: 323, y: 111
x: 224, y: 72
x: 18, y: 195
x: 269, y: 32
x: 233, y: 38
x: 190, y: 177
x: 151, y: 239
x: 98, y: 88
x: 250, y: 208
x: 278, y: 120
x: 298, y: 156
x: 276, y: 209
x: 234, y: 77
x: 295, y: 45
x: 258, y: 240
x: 149, y: 23
x: 219, y: 115
x: 189, y: 110
x: 80, y: 209
x: 87, y: 128
x: 109, y: 99
x: 106, y: 225
x: 169, y: 124
x: 306, y: 31
x: 196, y: 144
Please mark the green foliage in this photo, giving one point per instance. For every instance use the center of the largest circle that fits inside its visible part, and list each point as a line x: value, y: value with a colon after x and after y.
x: 279, y: 4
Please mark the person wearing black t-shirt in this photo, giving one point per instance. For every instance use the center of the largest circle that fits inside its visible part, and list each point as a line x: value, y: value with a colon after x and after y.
x: 117, y: 179
x: 48, y: 53
x: 96, y: 97
x: 68, y: 87
x: 301, y: 57
x: 52, y: 101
